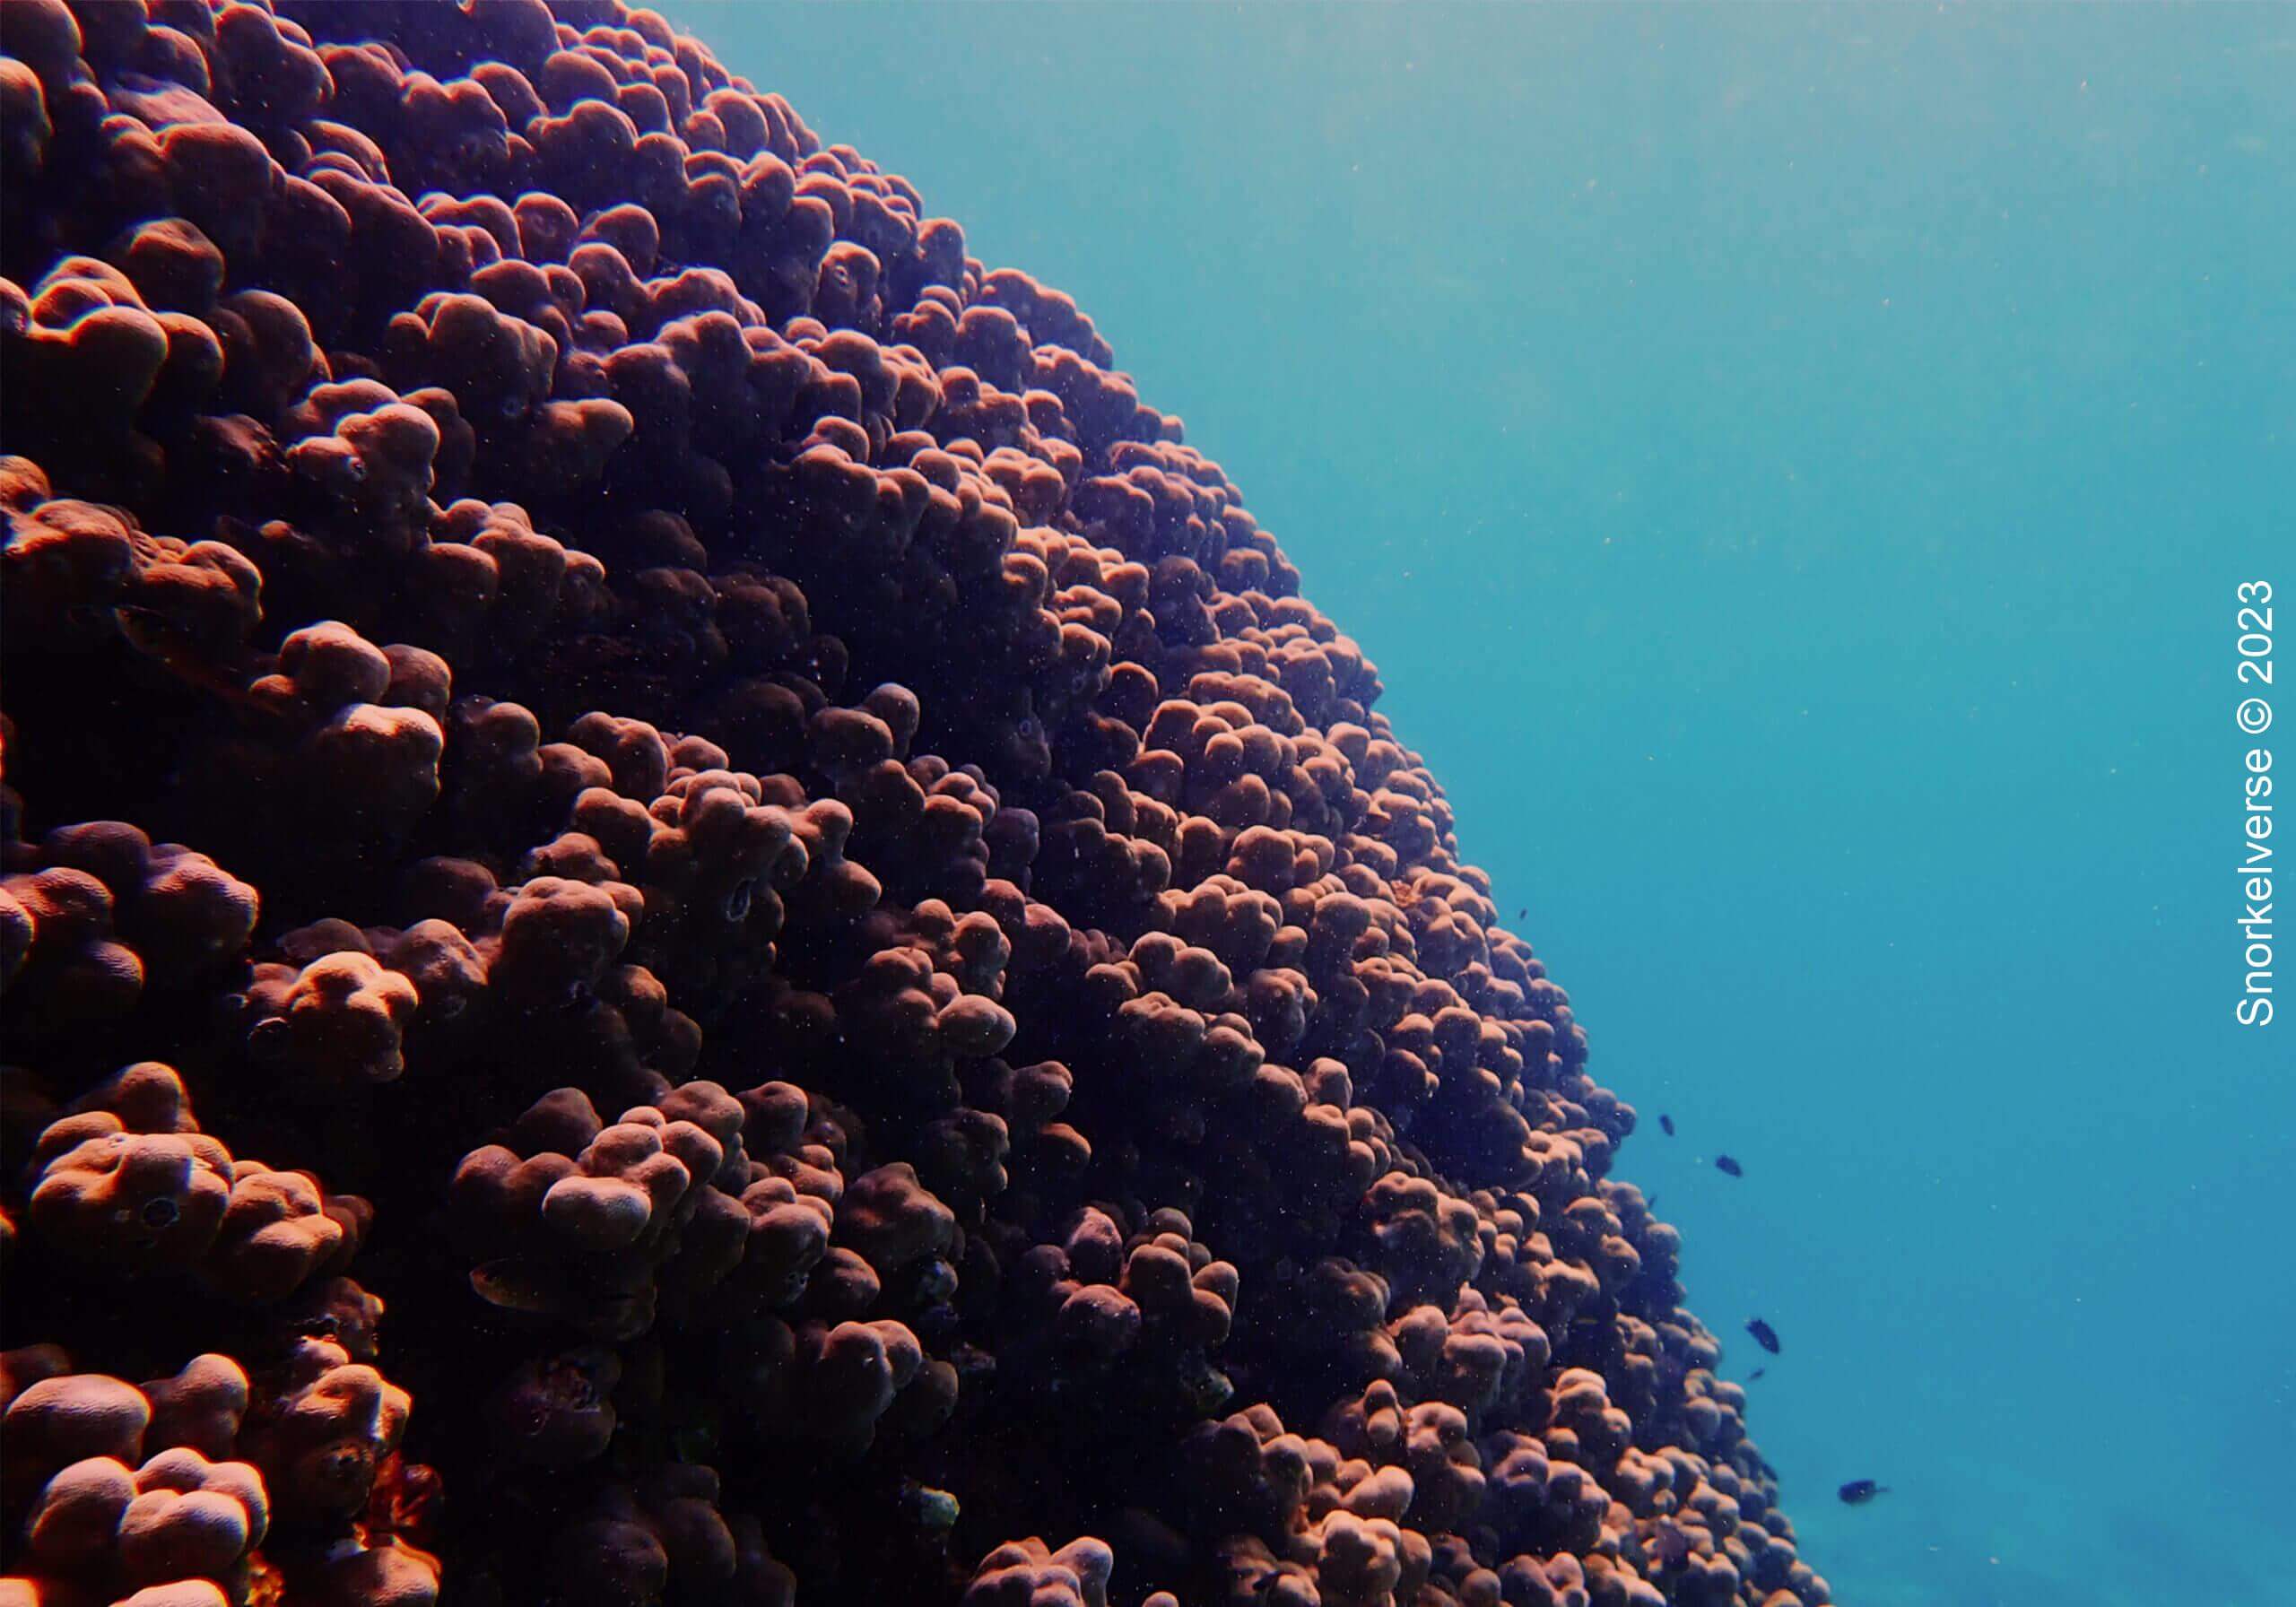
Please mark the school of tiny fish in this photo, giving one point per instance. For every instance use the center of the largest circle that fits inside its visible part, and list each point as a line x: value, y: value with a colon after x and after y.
x: 1857, y: 1492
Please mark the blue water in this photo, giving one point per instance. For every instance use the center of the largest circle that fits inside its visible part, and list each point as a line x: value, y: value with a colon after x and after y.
x: 1792, y: 468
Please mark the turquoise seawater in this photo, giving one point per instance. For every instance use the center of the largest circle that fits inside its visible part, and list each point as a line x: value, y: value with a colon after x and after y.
x: 1791, y: 467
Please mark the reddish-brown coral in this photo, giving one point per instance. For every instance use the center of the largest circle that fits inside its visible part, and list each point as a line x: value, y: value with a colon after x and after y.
x: 880, y: 981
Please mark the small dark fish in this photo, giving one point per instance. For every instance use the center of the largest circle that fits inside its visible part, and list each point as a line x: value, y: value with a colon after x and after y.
x: 516, y: 1285
x: 929, y: 1508
x: 1764, y: 1336
x: 1522, y: 912
x: 1665, y: 1124
x: 1651, y: 1205
x: 1757, y: 1373
x: 1859, y: 1492
x: 1728, y: 1167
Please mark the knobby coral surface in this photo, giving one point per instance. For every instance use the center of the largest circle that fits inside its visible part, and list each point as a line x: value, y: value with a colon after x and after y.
x: 690, y: 916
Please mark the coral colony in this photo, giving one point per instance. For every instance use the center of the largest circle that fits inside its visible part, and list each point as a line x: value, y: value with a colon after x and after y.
x: 691, y: 919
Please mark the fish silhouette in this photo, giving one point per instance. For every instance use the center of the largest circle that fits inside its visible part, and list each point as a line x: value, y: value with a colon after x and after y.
x: 1728, y: 1167
x: 1859, y: 1492
x: 1757, y: 1373
x: 1764, y: 1336
x: 1665, y: 1124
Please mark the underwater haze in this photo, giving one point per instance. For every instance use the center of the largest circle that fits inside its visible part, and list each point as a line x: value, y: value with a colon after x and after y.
x: 1791, y: 467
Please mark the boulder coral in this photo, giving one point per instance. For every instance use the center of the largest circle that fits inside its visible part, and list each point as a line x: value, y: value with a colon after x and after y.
x: 689, y: 916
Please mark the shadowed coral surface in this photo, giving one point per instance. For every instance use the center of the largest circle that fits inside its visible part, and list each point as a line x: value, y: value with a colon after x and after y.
x: 690, y: 916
